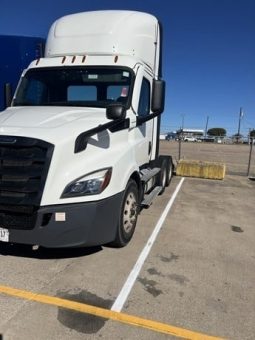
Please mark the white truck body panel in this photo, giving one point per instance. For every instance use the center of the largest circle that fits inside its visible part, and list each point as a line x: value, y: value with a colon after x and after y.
x: 54, y: 125
x: 122, y: 33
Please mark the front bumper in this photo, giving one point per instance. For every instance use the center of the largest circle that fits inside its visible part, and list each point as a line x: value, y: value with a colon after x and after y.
x: 73, y: 225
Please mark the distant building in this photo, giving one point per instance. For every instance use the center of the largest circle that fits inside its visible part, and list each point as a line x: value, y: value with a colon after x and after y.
x: 191, y: 132
x: 171, y: 135
x: 162, y: 136
x: 168, y: 135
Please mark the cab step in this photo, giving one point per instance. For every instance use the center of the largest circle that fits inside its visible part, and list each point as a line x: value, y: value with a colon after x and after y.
x: 150, y: 197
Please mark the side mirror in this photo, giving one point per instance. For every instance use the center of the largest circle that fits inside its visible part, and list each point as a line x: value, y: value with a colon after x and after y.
x: 7, y: 94
x: 158, y: 96
x: 116, y: 111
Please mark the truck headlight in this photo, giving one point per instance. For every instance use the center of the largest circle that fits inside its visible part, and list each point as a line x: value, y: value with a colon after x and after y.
x: 91, y: 184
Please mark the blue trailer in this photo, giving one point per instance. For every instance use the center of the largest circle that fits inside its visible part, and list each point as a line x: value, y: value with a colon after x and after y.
x: 17, y: 53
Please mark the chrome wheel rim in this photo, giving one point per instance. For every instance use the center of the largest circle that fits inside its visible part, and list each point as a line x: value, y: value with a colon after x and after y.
x: 129, y: 213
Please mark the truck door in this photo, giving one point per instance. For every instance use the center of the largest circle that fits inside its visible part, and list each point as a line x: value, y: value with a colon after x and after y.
x: 143, y: 133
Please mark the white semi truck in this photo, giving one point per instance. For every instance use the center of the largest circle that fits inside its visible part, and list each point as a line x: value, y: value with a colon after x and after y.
x: 79, y: 145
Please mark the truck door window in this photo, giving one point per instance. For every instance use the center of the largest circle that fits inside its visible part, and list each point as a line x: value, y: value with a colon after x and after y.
x: 144, y: 101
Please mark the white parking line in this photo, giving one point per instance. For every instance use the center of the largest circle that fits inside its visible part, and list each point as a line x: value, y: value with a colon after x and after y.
x: 126, y: 289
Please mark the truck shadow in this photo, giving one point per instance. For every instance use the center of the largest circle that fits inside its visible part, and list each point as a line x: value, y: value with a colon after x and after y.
x: 7, y: 249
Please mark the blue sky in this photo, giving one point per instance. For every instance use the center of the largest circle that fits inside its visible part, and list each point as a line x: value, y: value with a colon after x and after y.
x: 208, y: 53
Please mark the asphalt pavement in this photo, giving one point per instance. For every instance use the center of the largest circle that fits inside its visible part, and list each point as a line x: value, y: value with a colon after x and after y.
x: 198, y: 275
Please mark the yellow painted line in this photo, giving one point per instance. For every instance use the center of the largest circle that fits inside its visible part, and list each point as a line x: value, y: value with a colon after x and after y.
x: 107, y: 314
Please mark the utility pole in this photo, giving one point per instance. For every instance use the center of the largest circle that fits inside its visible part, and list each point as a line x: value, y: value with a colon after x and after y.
x: 239, y: 124
x: 206, y: 125
x: 180, y: 141
x: 183, y: 121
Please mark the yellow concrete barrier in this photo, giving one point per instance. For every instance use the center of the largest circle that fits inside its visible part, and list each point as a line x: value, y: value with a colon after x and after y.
x: 201, y: 169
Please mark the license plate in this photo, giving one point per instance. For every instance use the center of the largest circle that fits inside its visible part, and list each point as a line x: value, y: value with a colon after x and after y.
x: 4, y: 235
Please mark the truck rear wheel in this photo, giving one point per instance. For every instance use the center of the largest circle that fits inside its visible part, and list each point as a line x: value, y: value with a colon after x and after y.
x: 128, y: 215
x: 169, y: 171
x: 166, y: 165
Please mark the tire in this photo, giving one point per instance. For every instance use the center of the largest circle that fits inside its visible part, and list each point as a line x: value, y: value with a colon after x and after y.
x: 170, y: 169
x: 128, y: 215
x: 162, y: 177
x: 166, y: 173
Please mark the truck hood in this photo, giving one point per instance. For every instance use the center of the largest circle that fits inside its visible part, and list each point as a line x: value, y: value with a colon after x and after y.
x: 45, y: 117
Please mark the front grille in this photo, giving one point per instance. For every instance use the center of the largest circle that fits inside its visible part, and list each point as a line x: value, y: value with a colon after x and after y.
x: 18, y: 220
x: 24, y: 164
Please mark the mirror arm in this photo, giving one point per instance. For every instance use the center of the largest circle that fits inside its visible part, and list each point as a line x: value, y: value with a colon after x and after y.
x: 143, y: 119
x: 116, y: 125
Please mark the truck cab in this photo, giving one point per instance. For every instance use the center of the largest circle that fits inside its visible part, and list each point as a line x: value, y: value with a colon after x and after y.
x: 79, y: 144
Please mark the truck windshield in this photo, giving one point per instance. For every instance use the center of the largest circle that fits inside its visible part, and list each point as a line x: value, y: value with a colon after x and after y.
x: 72, y: 86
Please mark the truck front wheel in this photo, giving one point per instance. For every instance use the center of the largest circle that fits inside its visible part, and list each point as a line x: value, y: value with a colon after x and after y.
x: 128, y: 215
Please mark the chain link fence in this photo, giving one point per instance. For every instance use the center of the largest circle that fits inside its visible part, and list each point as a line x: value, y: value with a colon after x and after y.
x: 238, y: 158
